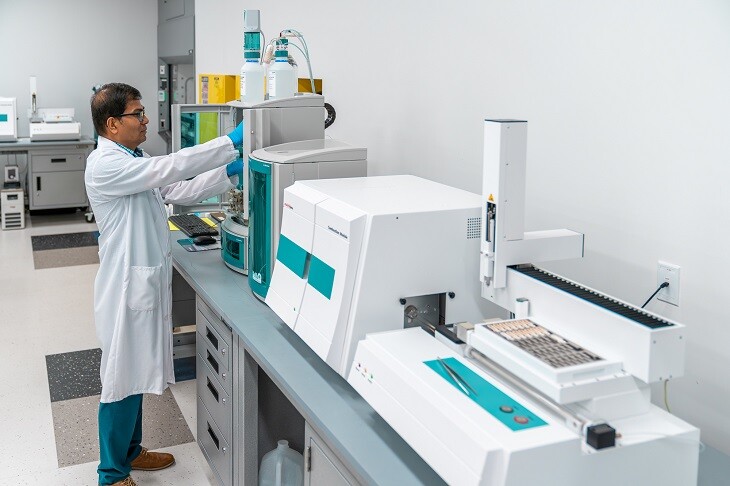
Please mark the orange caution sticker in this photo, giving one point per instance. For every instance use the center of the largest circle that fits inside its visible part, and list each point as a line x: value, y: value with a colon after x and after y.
x: 491, y: 198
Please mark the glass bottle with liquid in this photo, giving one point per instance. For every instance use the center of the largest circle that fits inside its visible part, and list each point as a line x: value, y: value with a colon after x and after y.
x: 282, y: 75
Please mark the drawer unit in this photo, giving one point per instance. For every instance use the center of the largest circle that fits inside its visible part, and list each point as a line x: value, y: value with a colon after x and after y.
x: 215, y: 447
x: 216, y: 344
x: 225, y: 332
x: 216, y: 400
x: 58, y: 161
x: 213, y: 362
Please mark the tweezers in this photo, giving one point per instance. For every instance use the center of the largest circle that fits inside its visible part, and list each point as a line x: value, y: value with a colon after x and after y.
x: 458, y: 379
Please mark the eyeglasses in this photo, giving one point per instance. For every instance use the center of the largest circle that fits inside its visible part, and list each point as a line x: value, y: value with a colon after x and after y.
x: 139, y: 114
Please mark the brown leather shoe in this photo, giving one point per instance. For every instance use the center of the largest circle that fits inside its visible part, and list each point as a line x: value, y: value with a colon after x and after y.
x: 125, y: 482
x: 152, y: 461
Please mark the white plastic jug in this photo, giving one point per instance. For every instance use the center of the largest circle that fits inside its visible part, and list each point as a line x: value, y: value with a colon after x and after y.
x: 282, y: 467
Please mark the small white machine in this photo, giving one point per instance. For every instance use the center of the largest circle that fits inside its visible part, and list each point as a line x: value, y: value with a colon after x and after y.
x: 560, y: 393
x: 8, y: 120
x: 12, y: 176
x: 50, y: 124
x: 55, y: 124
x: 12, y: 209
x: 371, y: 254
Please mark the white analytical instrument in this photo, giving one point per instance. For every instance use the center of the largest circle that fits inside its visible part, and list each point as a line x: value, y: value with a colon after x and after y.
x: 55, y: 124
x: 271, y: 170
x: 47, y: 124
x: 371, y: 254
x: 8, y: 120
x: 560, y: 393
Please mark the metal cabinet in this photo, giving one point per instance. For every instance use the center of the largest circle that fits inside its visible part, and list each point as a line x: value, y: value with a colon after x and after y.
x: 242, y: 413
x: 215, y: 407
x: 321, y: 466
x: 56, y: 177
x: 52, y: 172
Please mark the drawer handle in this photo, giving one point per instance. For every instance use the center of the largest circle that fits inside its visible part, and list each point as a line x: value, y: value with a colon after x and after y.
x: 211, y: 360
x: 213, y: 436
x: 212, y: 389
x: 56, y: 161
x: 211, y: 337
x: 37, y: 183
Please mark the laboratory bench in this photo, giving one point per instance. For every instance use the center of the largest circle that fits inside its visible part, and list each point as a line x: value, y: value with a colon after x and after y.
x: 258, y: 382
x: 54, y: 171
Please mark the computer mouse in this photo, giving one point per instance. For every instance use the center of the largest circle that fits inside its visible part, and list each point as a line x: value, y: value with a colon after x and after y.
x: 204, y: 240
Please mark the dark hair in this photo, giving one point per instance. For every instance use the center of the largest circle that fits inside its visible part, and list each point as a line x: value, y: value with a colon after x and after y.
x: 110, y: 100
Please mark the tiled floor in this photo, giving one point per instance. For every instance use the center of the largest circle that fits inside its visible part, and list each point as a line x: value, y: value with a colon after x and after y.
x: 76, y: 430
x: 74, y: 375
x: 64, y: 250
x: 48, y: 312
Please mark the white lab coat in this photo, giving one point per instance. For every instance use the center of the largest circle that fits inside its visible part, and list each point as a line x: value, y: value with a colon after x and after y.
x: 132, y: 293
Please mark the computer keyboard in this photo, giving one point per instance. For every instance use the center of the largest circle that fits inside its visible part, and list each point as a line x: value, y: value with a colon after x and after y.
x: 192, y: 225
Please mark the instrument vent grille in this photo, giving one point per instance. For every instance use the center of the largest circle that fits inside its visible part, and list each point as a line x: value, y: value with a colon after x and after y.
x: 473, y: 228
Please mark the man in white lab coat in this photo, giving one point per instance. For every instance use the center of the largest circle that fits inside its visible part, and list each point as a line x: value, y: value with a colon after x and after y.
x: 127, y: 190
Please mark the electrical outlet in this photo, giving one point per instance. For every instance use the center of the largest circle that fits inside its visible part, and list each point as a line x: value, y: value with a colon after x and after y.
x: 668, y: 272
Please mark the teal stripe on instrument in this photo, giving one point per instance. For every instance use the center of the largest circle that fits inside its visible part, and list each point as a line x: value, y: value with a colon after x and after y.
x: 493, y: 400
x: 3, y: 117
x: 292, y: 255
x: 321, y: 276
x: 260, y: 252
x: 259, y: 166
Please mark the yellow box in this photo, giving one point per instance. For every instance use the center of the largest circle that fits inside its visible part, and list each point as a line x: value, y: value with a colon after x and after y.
x: 218, y: 88
x: 304, y: 85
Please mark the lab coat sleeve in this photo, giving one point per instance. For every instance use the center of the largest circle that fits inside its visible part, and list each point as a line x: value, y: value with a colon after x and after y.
x: 122, y: 176
x: 207, y: 184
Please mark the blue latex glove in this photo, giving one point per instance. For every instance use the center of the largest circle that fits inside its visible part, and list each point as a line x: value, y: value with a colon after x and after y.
x: 235, y: 168
x: 236, y: 135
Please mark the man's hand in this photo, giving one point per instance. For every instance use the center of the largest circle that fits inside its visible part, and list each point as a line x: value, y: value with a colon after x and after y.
x: 235, y: 168
x: 236, y: 135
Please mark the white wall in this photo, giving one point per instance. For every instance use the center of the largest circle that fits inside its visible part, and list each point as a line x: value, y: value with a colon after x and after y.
x: 73, y: 45
x: 628, y: 106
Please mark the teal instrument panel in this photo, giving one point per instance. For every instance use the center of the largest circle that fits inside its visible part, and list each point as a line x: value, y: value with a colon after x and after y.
x: 494, y: 401
x: 307, y: 266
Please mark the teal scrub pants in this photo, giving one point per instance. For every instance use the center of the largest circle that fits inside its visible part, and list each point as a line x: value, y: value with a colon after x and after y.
x: 120, y: 435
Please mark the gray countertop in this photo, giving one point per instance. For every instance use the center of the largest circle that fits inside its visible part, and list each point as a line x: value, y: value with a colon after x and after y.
x: 25, y: 143
x: 369, y: 447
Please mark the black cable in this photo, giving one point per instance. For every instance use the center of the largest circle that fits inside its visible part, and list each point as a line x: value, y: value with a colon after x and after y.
x: 662, y: 286
x: 331, y: 115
